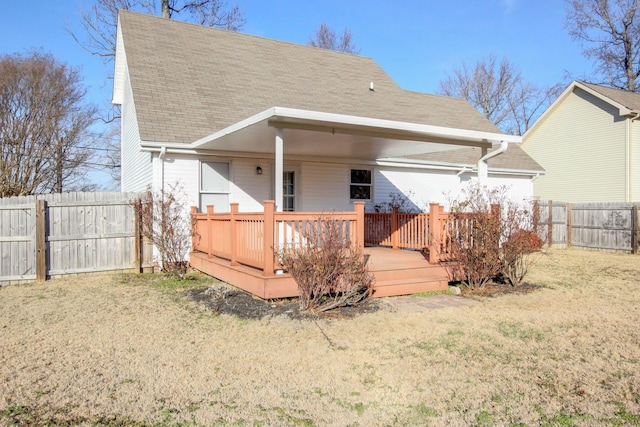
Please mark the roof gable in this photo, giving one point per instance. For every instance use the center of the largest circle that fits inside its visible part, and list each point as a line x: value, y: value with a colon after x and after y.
x: 189, y: 81
x: 627, y: 103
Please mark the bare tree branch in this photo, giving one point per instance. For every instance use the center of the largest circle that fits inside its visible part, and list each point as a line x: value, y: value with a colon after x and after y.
x: 327, y: 38
x: 99, y: 21
x: 610, y: 32
x: 44, y: 123
x: 499, y: 92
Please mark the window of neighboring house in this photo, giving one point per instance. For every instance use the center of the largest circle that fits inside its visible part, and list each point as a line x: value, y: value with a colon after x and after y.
x: 214, y: 186
x: 361, y: 183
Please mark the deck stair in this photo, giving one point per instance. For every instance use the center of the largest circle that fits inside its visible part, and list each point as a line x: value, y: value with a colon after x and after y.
x: 402, y: 272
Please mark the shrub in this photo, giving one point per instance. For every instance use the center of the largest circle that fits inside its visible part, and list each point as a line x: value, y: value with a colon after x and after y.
x: 519, y: 241
x: 489, y: 235
x: 330, y: 272
x: 165, y: 221
x: 473, y: 237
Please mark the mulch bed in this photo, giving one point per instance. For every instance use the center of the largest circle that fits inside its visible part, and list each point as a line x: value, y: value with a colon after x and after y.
x: 222, y: 299
x: 493, y: 290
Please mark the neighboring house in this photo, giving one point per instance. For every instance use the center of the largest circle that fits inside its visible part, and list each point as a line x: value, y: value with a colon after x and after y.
x: 588, y: 142
x: 239, y: 118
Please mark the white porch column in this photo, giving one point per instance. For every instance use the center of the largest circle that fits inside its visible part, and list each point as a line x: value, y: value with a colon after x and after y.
x: 279, y: 170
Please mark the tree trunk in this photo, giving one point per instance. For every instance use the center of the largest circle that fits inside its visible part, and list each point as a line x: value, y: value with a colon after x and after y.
x: 165, y: 9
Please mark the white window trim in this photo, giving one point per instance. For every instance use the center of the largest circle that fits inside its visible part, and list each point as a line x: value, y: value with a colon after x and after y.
x: 371, y: 192
x: 229, y: 179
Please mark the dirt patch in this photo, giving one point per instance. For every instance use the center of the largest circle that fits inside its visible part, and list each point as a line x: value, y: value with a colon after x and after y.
x: 494, y: 290
x: 223, y: 299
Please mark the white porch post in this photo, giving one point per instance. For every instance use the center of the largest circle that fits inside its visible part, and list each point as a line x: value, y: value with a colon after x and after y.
x: 279, y: 169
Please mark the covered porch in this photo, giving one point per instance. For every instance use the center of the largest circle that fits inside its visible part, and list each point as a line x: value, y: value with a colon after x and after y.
x: 402, y: 250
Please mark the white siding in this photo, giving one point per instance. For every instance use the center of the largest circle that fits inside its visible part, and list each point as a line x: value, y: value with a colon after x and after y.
x: 183, y: 171
x: 581, y: 145
x: 325, y: 187
x: 135, y: 164
x: 249, y: 189
x: 423, y: 187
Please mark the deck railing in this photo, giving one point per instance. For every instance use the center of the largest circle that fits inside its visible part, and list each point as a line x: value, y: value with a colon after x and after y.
x: 254, y: 239
x: 400, y: 230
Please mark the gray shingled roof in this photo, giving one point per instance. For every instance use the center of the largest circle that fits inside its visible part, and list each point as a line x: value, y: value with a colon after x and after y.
x: 631, y: 100
x: 513, y: 158
x: 190, y: 81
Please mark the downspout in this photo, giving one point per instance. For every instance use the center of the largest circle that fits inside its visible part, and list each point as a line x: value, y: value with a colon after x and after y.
x: 163, y: 152
x: 483, y: 168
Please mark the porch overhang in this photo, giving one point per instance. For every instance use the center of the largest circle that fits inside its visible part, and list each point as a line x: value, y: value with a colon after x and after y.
x: 313, y: 133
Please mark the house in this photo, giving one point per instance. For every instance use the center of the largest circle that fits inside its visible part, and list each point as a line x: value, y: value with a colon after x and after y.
x: 588, y: 142
x: 239, y: 119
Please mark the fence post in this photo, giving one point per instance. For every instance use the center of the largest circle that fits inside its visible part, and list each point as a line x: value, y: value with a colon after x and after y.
x: 234, y: 237
x: 394, y: 228
x: 359, y: 208
x: 550, y: 224
x: 569, y: 222
x: 41, y: 243
x: 137, y: 220
x: 435, y: 233
x: 209, y: 231
x: 267, y: 238
x: 635, y: 233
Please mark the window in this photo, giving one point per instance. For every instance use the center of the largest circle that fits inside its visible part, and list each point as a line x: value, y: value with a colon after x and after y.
x: 361, y: 183
x: 214, y: 185
x: 288, y: 191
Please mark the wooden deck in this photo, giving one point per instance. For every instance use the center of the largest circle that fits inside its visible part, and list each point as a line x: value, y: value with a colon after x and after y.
x: 397, y: 272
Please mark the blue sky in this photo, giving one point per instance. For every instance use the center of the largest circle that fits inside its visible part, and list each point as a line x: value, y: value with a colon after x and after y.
x: 415, y: 41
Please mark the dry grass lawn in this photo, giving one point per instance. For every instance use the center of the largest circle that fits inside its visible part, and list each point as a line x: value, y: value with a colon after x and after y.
x: 113, y: 350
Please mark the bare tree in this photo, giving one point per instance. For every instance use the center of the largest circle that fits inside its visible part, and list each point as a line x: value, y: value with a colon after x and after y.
x: 327, y: 38
x: 44, y: 123
x: 99, y: 21
x: 610, y: 31
x: 499, y: 92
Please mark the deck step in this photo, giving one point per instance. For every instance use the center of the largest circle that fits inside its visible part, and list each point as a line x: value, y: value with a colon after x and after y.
x: 411, y: 286
x: 426, y: 273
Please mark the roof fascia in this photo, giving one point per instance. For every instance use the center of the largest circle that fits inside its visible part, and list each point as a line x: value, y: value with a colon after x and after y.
x: 290, y: 118
x: 386, y: 128
x: 468, y: 167
x: 120, y: 68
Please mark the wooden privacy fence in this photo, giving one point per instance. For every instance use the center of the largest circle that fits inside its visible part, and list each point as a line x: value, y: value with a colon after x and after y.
x: 56, y: 234
x: 599, y: 226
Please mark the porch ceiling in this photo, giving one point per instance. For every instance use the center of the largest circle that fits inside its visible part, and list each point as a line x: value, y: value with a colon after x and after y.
x: 309, y: 133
